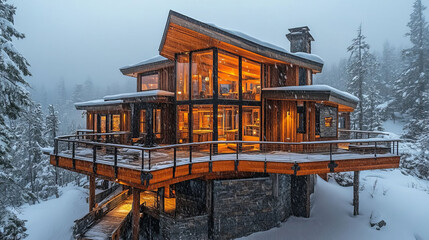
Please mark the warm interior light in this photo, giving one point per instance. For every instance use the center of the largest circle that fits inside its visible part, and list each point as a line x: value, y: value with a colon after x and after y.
x: 179, y: 92
x: 328, y: 121
x: 207, y: 79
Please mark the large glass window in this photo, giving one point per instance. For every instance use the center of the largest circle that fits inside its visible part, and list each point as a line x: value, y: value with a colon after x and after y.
x: 202, y: 74
x: 183, y: 123
x: 251, y: 79
x: 227, y: 123
x: 228, y: 76
x: 251, y: 123
x: 143, y: 121
x: 182, y: 77
x: 103, y: 125
x: 149, y: 82
x: 116, y: 121
x: 202, y: 123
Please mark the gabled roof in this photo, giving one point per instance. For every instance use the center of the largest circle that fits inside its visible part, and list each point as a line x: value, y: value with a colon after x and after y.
x: 183, y: 34
x: 323, y: 93
x: 151, y: 64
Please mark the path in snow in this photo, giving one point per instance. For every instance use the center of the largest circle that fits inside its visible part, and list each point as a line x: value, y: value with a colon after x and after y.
x: 54, y: 218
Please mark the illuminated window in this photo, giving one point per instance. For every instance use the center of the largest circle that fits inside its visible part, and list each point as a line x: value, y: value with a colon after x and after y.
x: 182, y: 77
x: 251, y: 80
x: 182, y: 124
x: 227, y: 76
x: 103, y: 124
x: 202, y: 75
x: 149, y: 82
x: 202, y: 123
x: 157, y: 122
x: 328, y: 121
x: 227, y: 123
x: 143, y: 121
x: 95, y: 123
x: 251, y: 123
x: 116, y: 120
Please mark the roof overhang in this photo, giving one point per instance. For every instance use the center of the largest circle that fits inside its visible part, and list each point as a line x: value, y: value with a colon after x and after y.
x: 143, y: 96
x: 317, y: 93
x: 100, y: 105
x: 148, y: 65
x: 184, y: 34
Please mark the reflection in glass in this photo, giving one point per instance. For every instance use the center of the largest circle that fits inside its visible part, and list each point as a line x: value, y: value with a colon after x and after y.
x: 182, y: 77
x: 228, y: 76
x: 251, y: 80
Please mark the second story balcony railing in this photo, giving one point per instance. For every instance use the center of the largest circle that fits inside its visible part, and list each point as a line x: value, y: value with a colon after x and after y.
x: 296, y: 158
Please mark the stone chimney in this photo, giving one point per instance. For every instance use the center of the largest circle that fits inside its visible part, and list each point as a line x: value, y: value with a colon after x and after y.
x: 300, y: 39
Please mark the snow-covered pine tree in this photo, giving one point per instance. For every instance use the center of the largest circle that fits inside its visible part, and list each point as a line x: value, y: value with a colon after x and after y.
x: 52, y: 124
x: 372, y: 106
x: 13, y: 96
x: 412, y: 88
x: 358, y: 66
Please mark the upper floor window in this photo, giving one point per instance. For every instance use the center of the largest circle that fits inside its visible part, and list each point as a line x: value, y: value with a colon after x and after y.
x: 251, y: 79
x: 149, y: 82
x: 302, y: 76
x: 202, y: 74
x: 182, y: 77
x: 228, y: 76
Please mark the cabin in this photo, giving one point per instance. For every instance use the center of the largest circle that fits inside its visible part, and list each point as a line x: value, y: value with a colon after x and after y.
x: 224, y: 136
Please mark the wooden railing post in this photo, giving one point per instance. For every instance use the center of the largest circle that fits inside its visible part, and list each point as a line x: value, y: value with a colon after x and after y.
x: 115, y: 152
x: 91, y: 199
x: 94, y: 159
x: 150, y: 159
x: 356, y: 193
x: 143, y: 159
x: 74, y: 155
x: 174, y: 162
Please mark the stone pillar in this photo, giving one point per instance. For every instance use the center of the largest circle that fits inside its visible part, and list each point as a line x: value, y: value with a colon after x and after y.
x: 91, y: 199
x: 136, y: 213
x: 300, y: 195
x: 356, y: 193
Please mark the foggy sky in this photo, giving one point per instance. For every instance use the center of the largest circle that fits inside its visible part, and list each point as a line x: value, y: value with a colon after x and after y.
x: 78, y: 39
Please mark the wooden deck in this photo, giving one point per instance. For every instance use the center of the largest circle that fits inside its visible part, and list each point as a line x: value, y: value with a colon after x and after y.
x: 163, y: 172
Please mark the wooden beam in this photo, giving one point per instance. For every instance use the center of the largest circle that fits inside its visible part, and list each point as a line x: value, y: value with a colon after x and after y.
x: 91, y: 199
x: 136, y: 213
x: 167, y: 191
x: 356, y: 193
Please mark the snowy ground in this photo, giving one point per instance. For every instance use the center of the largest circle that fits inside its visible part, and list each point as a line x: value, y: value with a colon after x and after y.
x: 54, y: 218
x: 401, y: 200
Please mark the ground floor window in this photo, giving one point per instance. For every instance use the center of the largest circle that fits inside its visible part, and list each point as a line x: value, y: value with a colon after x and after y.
x: 116, y: 123
x: 251, y: 123
x: 202, y: 123
x: 156, y: 116
x: 227, y: 123
x: 182, y: 123
x: 142, y: 121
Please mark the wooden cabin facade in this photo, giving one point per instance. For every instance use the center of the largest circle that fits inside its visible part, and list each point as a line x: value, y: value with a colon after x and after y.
x: 211, y: 84
x: 218, y: 141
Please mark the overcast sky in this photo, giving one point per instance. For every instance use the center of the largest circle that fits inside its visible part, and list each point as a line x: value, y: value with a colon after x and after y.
x: 77, y: 39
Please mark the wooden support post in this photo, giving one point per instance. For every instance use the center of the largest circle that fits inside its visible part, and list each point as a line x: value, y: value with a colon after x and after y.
x: 161, y: 194
x: 91, y: 199
x: 167, y: 191
x: 136, y: 213
x: 356, y: 193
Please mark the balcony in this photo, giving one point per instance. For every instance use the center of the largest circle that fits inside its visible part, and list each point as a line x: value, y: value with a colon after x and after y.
x: 152, y: 167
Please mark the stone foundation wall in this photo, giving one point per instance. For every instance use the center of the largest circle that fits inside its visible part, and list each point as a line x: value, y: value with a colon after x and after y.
x: 245, y: 206
x: 186, y: 228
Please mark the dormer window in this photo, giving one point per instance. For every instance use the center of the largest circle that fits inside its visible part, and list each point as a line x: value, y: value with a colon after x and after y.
x: 149, y: 81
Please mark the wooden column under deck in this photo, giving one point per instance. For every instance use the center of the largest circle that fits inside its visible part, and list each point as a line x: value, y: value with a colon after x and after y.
x: 161, y: 192
x: 167, y: 191
x: 356, y: 193
x: 91, y: 199
x: 136, y: 213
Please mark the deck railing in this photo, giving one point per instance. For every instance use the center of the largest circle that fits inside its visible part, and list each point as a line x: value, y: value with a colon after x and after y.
x: 210, y: 151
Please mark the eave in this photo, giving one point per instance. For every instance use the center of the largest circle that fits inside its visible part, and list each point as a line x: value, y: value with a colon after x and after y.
x: 184, y: 34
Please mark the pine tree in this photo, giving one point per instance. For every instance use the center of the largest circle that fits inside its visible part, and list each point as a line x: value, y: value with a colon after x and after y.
x: 52, y: 124
x: 413, y: 86
x: 13, y: 96
x: 360, y: 61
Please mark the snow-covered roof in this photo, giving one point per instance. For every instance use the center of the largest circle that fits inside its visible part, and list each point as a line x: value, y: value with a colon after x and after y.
x: 97, y: 102
x: 148, y: 93
x: 317, y: 92
x: 151, y: 64
x: 154, y: 59
x: 311, y: 57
